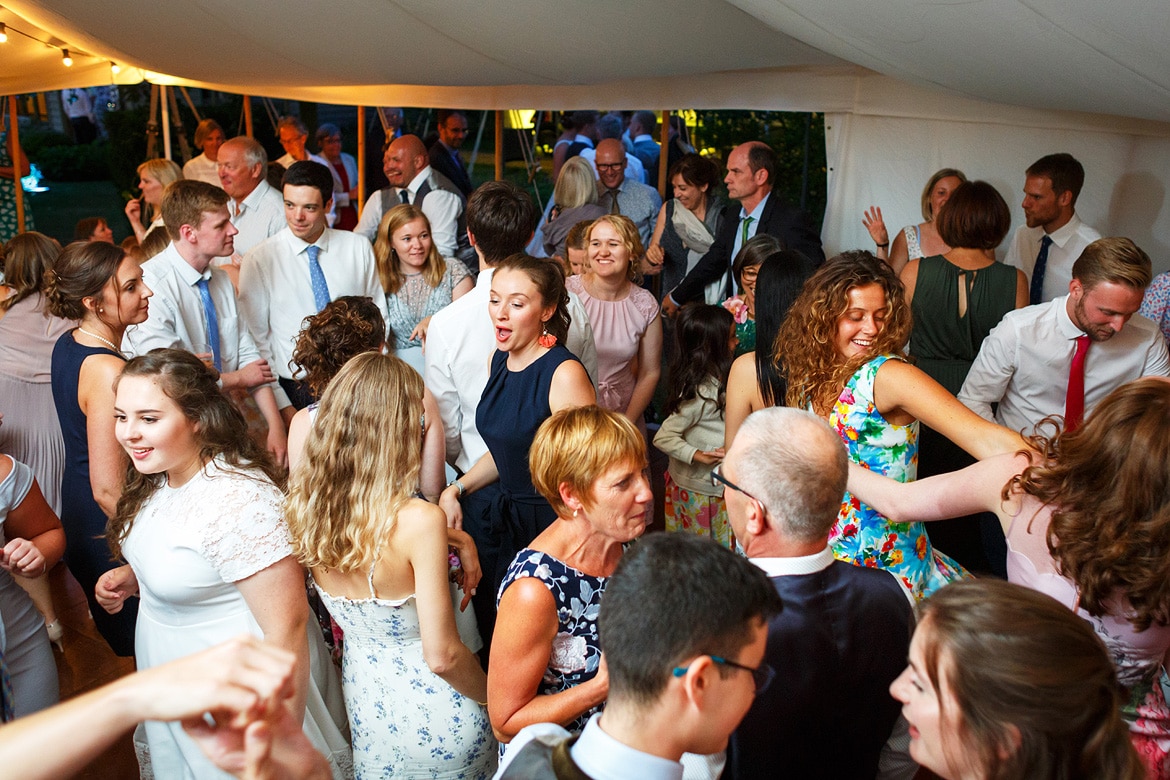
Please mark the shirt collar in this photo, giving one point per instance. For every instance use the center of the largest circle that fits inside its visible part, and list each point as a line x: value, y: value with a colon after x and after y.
x: 1062, y: 234
x: 804, y: 564
x: 417, y: 182
x: 1064, y: 323
x: 300, y: 245
x: 647, y: 136
x: 186, y: 272
x: 757, y: 211
x: 584, y: 139
x: 597, y: 754
x: 253, y: 198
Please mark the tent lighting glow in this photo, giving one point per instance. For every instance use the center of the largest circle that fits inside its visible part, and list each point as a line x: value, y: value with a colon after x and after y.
x: 115, y: 68
x: 3, y: 33
x: 65, y: 58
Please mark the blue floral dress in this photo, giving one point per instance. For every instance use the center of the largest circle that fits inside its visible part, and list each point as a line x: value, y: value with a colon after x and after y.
x: 576, y: 650
x: 862, y: 535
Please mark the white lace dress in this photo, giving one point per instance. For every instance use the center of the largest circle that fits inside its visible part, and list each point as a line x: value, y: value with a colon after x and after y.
x: 188, y: 546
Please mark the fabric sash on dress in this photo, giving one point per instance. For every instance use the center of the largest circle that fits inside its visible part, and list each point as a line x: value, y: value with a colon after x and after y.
x: 697, y: 239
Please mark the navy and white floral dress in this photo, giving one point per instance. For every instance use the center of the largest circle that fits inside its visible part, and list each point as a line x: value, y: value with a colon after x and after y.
x: 576, y: 651
x: 405, y: 721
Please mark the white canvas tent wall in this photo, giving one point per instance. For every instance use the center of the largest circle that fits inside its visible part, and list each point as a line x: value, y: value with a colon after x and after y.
x: 907, y: 86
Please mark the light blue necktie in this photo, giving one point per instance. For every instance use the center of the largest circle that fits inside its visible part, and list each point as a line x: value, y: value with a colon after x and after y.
x: 317, y: 279
x: 212, y: 323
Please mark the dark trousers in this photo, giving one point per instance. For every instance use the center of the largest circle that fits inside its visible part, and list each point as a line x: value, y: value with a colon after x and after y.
x: 488, y: 534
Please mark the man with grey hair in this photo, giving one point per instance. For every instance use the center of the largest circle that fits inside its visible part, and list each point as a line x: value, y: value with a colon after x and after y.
x: 256, y: 208
x: 844, y: 633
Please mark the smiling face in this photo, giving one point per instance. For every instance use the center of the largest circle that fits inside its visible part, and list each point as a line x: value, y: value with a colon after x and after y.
x: 153, y: 430
x: 1103, y: 309
x: 412, y: 244
x: 453, y: 131
x: 611, y: 163
x: 942, y: 192
x: 689, y: 195
x: 237, y: 178
x: 304, y: 212
x: 864, y: 318
x: 936, y: 733
x: 618, y: 502
x: 401, y: 163
x: 609, y: 257
x: 518, y: 313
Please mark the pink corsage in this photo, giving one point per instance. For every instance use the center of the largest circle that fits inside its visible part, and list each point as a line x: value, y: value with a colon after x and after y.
x: 738, y: 309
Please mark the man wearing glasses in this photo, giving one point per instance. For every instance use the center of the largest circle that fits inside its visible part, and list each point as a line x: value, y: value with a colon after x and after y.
x: 444, y: 153
x: 620, y: 195
x: 683, y: 626
x: 844, y: 633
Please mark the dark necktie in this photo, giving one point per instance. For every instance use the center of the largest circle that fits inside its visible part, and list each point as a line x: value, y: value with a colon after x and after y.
x: 1036, y: 294
x: 614, y: 208
x: 1074, y: 399
x: 212, y: 322
x: 317, y: 279
x: 404, y: 196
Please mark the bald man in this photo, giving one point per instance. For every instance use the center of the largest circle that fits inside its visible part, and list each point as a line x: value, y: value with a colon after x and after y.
x: 755, y: 209
x: 412, y: 180
x: 633, y: 199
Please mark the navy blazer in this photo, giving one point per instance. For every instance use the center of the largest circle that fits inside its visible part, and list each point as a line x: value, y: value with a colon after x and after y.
x: 841, y: 639
x: 791, y: 225
x: 441, y: 161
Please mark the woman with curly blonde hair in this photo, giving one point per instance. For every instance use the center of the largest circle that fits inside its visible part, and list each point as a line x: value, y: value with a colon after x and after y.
x: 840, y: 351
x: 417, y: 280
x: 378, y: 556
x: 1087, y: 521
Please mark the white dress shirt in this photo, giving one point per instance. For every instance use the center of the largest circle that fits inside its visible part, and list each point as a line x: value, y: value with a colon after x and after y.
x: 276, y: 293
x: 1024, y: 364
x: 202, y: 169
x: 460, y: 345
x: 442, y: 208
x: 261, y: 215
x: 597, y: 754
x: 1068, y: 242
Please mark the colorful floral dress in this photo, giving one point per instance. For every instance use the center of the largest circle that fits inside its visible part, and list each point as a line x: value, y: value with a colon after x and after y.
x: 862, y: 535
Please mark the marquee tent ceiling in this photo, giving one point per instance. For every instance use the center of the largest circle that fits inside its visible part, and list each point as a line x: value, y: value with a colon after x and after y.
x: 1072, y: 55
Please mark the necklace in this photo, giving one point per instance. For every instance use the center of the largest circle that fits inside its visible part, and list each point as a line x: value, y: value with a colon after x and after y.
x: 107, y: 342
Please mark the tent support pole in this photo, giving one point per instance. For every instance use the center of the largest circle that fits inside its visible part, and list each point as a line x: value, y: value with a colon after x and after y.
x: 478, y: 141
x: 166, y: 124
x: 248, y: 116
x: 361, y: 155
x: 664, y: 138
x: 499, y: 145
x: 17, y: 156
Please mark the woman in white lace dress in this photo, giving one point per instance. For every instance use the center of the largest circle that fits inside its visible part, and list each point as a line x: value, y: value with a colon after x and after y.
x: 378, y: 553
x: 200, y: 524
x: 417, y: 280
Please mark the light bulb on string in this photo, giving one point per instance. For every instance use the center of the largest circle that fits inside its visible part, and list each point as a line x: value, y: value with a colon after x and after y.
x: 3, y: 33
x: 115, y: 68
x: 65, y: 58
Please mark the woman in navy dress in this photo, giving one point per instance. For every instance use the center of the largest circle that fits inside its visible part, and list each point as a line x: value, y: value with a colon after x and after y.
x: 101, y: 287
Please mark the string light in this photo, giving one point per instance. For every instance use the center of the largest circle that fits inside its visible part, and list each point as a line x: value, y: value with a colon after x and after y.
x: 115, y: 68
x: 3, y: 33
x: 65, y: 58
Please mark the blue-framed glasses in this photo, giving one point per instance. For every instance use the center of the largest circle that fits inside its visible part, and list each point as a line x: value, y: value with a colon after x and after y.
x: 761, y: 675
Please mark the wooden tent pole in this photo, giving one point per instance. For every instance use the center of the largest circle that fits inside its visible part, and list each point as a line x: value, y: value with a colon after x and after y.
x: 166, y: 124
x: 248, y: 116
x: 499, y: 145
x: 17, y: 156
x: 664, y: 139
x: 361, y: 155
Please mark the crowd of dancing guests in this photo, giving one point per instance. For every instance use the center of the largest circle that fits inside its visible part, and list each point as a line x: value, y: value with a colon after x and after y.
x: 416, y: 473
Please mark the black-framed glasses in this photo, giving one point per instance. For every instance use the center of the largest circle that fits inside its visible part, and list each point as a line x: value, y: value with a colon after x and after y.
x: 718, y: 479
x: 610, y: 166
x: 762, y: 675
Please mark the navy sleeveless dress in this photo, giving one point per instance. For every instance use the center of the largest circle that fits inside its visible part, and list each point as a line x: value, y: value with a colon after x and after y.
x: 512, y: 407
x: 86, y: 553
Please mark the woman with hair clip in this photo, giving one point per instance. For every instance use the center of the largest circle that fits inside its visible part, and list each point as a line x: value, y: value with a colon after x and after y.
x: 417, y: 280
x: 532, y: 376
x: 100, y: 286
x: 201, y: 526
x: 842, y: 343
x: 1087, y: 521
x: 1006, y: 684
x: 755, y: 381
x: 378, y: 555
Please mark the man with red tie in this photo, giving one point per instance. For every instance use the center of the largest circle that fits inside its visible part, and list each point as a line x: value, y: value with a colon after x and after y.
x: 1063, y: 356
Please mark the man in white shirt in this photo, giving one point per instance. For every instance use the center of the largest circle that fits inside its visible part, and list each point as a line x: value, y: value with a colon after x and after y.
x: 1054, y: 236
x: 412, y: 180
x: 256, y: 209
x: 296, y: 272
x: 194, y: 304
x: 1026, y: 363
x: 459, y: 346
x: 683, y: 631
x: 844, y: 628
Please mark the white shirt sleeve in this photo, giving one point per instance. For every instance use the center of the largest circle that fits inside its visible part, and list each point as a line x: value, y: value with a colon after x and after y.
x: 992, y: 370
x: 443, y: 209
x: 371, y: 215
x: 440, y: 380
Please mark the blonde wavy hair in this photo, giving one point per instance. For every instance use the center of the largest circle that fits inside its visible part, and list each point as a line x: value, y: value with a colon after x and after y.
x: 806, y: 346
x: 362, y: 461
x: 389, y: 273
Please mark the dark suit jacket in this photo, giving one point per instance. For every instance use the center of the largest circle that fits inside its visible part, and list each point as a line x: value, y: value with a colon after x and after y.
x: 841, y: 639
x: 791, y: 225
x: 441, y: 161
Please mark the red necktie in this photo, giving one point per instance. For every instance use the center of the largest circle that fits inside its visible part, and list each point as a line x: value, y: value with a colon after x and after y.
x: 1074, y: 401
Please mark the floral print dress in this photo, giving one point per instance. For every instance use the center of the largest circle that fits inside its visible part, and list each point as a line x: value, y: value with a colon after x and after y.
x: 862, y: 535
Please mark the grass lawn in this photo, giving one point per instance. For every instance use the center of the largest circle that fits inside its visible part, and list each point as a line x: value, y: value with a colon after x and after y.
x: 57, y: 211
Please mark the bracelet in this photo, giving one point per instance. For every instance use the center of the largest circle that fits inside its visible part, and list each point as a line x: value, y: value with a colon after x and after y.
x: 883, y: 246
x: 458, y: 486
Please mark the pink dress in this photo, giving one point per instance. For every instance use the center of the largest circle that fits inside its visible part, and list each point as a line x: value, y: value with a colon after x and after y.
x: 1137, y: 656
x: 617, y: 332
